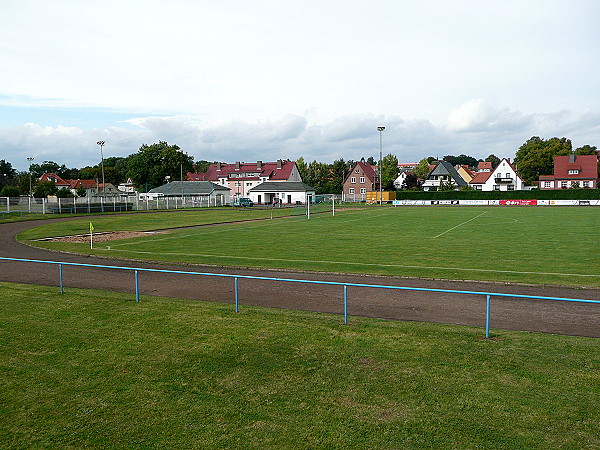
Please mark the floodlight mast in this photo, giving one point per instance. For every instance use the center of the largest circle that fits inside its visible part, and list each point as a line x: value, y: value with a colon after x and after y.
x: 29, y: 159
x: 380, y: 129
x: 101, y: 144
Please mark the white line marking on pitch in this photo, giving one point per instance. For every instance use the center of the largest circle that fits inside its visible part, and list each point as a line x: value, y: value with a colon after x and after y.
x: 353, y: 263
x: 460, y: 224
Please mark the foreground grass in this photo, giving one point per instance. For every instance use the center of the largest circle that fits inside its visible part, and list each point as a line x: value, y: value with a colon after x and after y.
x: 519, y: 245
x: 95, y: 369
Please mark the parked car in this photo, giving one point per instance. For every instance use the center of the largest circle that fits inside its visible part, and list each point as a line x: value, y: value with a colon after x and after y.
x: 243, y: 202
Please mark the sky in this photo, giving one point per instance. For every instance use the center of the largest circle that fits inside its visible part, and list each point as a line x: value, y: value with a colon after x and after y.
x: 262, y: 80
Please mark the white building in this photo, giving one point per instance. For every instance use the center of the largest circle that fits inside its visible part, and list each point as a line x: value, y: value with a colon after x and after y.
x: 502, y: 178
x: 281, y: 192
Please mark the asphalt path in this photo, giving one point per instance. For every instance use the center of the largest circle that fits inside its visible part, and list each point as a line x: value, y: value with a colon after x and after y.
x: 559, y: 317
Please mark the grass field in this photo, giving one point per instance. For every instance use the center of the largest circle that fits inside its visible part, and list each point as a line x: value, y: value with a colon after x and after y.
x: 94, y: 369
x: 526, y: 245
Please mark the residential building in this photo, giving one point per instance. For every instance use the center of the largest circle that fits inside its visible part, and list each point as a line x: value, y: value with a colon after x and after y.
x: 502, y: 178
x: 465, y: 172
x: 362, y: 178
x: 485, y: 166
x: 281, y: 193
x: 92, y: 187
x: 241, y: 177
x: 570, y: 170
x: 443, y: 172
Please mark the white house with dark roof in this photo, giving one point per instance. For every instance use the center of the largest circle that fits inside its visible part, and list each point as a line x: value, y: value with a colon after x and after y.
x: 203, y: 191
x: 443, y: 172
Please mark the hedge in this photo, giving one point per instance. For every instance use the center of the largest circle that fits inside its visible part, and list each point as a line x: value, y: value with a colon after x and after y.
x: 536, y: 194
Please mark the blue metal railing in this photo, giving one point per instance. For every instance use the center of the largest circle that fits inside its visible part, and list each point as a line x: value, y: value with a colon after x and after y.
x: 136, y: 271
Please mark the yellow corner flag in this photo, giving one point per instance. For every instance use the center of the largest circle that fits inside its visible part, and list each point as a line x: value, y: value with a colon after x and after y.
x: 91, y: 235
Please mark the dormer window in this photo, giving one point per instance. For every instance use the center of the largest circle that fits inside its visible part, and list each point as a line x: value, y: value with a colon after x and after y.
x: 573, y: 171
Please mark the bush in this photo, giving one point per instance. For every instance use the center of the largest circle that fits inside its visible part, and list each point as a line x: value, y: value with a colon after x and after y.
x: 9, y: 191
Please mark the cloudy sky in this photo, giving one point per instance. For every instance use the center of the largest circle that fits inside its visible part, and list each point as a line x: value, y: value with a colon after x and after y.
x: 255, y: 80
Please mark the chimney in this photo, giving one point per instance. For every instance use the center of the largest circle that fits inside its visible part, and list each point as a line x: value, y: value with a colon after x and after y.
x: 572, y: 158
x: 237, y: 165
x: 258, y: 165
x: 279, y: 163
x: 218, y: 166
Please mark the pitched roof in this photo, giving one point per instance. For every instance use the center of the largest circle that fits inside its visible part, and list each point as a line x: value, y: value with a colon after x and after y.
x: 367, y: 169
x: 278, y: 170
x: 480, y: 177
x: 50, y: 176
x: 445, y: 168
x: 189, y: 188
x: 586, y: 164
x: 282, y: 186
x: 86, y: 184
x: 484, y: 165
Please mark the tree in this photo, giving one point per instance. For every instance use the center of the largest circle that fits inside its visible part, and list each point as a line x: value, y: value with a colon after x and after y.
x: 64, y: 193
x: 586, y: 150
x: 494, y: 160
x: 339, y: 170
x: 536, y: 156
x: 318, y: 175
x: 44, y: 189
x: 411, y: 182
x: 389, y: 171
x: 81, y: 191
x: 152, y: 163
x: 7, y: 173
x: 371, y: 161
x: 422, y: 168
x: 302, y: 168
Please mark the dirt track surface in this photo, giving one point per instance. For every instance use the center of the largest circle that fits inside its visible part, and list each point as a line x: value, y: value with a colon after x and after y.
x: 506, y: 313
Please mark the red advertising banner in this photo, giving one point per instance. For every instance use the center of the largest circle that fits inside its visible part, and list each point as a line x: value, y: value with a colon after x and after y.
x: 518, y: 202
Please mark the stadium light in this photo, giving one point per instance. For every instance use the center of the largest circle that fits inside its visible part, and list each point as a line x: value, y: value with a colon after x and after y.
x: 380, y: 129
x: 29, y: 159
x: 101, y: 144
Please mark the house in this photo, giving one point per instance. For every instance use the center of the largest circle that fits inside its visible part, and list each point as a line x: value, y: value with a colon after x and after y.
x: 407, y: 166
x: 281, y: 192
x: 127, y: 187
x: 465, y: 172
x: 502, y: 178
x: 90, y: 186
x: 241, y: 177
x: 485, y: 166
x: 58, y: 181
x: 443, y: 172
x: 362, y: 178
x: 204, y: 191
x: 571, y: 170
x: 399, y: 181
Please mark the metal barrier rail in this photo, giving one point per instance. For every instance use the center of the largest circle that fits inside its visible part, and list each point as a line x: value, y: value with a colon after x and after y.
x: 136, y: 271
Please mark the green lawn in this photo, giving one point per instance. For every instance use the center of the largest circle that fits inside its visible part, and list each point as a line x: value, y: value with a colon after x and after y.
x: 95, y: 369
x: 526, y: 245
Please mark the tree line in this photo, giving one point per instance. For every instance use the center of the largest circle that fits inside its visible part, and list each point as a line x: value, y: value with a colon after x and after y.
x: 153, y: 165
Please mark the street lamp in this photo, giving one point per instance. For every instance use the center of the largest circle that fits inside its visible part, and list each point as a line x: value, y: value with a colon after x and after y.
x: 101, y: 144
x: 380, y: 129
x: 182, y: 197
x: 29, y: 159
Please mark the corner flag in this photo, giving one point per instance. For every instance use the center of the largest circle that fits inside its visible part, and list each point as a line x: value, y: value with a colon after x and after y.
x: 91, y: 236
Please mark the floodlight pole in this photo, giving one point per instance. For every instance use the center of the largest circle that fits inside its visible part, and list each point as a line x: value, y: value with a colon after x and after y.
x: 380, y: 129
x: 29, y: 159
x: 101, y: 144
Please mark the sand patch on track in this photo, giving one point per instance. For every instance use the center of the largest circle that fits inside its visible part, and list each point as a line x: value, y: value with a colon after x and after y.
x: 105, y: 237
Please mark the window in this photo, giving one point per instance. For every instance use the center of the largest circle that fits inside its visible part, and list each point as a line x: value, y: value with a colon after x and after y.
x: 353, y: 180
x: 510, y: 187
x: 496, y: 187
x: 362, y: 180
x: 351, y: 191
x: 573, y: 171
x: 363, y: 190
x: 563, y: 184
x: 585, y: 184
x: 477, y: 187
x: 547, y: 184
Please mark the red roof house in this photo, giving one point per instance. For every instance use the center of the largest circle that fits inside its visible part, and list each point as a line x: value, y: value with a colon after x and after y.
x: 570, y: 170
x: 362, y: 178
x: 241, y: 177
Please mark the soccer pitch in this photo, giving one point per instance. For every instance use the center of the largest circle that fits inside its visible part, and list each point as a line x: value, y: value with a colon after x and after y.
x: 507, y: 244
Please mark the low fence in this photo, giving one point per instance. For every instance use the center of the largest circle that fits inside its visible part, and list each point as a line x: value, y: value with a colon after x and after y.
x: 107, y: 203
x: 136, y: 270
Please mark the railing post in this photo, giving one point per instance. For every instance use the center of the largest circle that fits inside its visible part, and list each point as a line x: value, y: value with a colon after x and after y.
x: 60, y: 276
x: 345, y: 305
x: 237, y: 297
x: 487, y: 317
x: 137, y: 287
